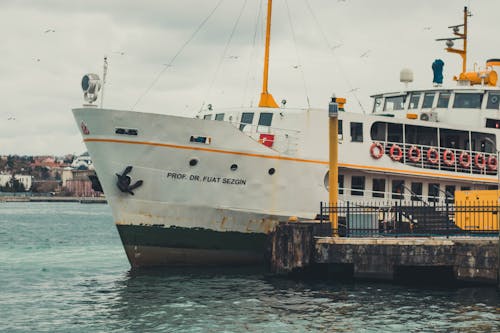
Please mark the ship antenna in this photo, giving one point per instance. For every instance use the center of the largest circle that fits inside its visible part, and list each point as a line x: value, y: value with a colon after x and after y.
x: 104, y: 73
x: 463, y: 36
x: 266, y: 99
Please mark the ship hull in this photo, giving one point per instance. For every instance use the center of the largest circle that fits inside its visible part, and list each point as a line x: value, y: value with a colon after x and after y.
x: 206, y: 212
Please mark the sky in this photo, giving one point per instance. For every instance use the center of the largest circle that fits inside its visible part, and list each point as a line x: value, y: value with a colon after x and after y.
x: 352, y: 48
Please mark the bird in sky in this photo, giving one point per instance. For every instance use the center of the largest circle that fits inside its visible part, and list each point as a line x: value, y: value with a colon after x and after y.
x: 427, y: 28
x: 49, y: 30
x: 365, y: 54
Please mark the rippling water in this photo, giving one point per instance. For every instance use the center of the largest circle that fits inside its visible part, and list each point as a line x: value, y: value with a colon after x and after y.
x: 62, y: 269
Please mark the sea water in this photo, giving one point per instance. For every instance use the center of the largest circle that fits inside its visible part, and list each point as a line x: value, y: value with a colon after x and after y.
x: 63, y: 269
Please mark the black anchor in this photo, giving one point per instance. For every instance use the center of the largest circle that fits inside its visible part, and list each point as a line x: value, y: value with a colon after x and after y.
x: 123, y: 182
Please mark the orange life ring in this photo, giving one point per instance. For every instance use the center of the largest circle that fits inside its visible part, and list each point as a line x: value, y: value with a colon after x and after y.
x: 411, y: 156
x: 396, y: 156
x: 492, y: 163
x: 464, y: 159
x: 430, y: 158
x: 448, y: 157
x: 379, y: 147
x: 482, y: 164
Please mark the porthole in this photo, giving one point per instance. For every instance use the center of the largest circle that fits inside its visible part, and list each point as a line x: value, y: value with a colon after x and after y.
x: 271, y: 171
x: 234, y: 167
x: 193, y: 162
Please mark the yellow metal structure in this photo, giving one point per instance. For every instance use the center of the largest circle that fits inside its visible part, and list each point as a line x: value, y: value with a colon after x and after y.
x: 477, y: 210
x: 482, y: 77
x: 266, y: 99
x: 333, y: 178
x: 463, y: 52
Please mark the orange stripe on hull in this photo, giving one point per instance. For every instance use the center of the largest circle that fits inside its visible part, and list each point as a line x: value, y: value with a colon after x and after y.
x: 284, y: 158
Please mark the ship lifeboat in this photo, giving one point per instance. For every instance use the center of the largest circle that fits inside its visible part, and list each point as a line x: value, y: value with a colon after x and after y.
x: 448, y: 157
x: 480, y: 161
x: 414, y: 154
x: 492, y: 163
x: 376, y: 150
x: 432, y: 156
x: 464, y: 159
x: 396, y: 153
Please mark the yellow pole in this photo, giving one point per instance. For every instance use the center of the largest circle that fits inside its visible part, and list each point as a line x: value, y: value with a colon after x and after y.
x: 464, y: 55
x: 333, y: 178
x: 266, y: 99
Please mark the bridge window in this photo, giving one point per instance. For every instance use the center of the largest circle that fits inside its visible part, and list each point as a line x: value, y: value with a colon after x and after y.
x: 493, y: 101
x: 219, y: 116
x: 428, y: 100
x: 207, y: 117
x: 378, y: 187
x: 414, y: 99
x: 246, y: 118
x: 444, y: 99
x: 356, y: 132
x: 467, y: 101
x: 377, y: 105
x: 357, y: 185
x: 394, y: 103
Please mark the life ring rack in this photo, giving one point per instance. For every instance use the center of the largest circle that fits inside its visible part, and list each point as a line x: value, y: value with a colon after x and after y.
x: 414, y: 154
x: 396, y: 156
x: 377, y: 150
x: 448, y: 157
x: 432, y: 159
x: 464, y: 159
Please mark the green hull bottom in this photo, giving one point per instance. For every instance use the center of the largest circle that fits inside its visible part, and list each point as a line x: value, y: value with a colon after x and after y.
x: 148, y: 246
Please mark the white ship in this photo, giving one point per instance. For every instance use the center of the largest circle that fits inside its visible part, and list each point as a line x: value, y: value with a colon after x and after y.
x: 207, y: 190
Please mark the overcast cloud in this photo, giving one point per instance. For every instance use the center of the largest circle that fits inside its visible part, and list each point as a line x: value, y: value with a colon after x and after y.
x: 46, y: 47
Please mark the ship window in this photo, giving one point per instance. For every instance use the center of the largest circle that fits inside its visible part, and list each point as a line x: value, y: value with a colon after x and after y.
x: 378, y: 187
x: 377, y: 105
x: 428, y: 100
x: 265, y: 120
x: 341, y: 184
x: 416, y: 191
x: 467, y: 101
x: 219, y: 116
x: 394, y: 103
x: 395, y: 132
x: 340, y: 130
x: 377, y: 131
x: 492, y: 123
x: 414, y: 99
x: 356, y: 132
x: 421, y: 135
x: 207, y: 117
x: 433, y: 192
x: 450, y: 193
x: 357, y: 185
x: 493, y: 101
x: 465, y: 188
x: 398, y: 188
x: 246, y: 118
x: 444, y: 99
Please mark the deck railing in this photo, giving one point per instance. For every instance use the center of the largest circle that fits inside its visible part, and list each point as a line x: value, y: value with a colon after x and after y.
x: 413, y: 218
x: 439, y: 158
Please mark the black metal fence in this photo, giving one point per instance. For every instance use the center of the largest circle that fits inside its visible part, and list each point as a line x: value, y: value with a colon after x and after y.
x: 414, y: 218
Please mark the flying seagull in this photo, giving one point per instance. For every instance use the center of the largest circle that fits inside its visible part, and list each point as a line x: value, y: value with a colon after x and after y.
x: 49, y: 30
x: 365, y: 54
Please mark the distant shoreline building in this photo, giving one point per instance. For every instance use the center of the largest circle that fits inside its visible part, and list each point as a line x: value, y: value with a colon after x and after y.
x: 26, y: 180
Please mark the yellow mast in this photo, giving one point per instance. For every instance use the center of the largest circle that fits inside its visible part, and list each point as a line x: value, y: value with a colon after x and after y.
x: 266, y: 99
x: 449, y: 41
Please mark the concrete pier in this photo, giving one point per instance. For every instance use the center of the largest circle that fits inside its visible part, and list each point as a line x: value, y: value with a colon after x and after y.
x: 298, y: 246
